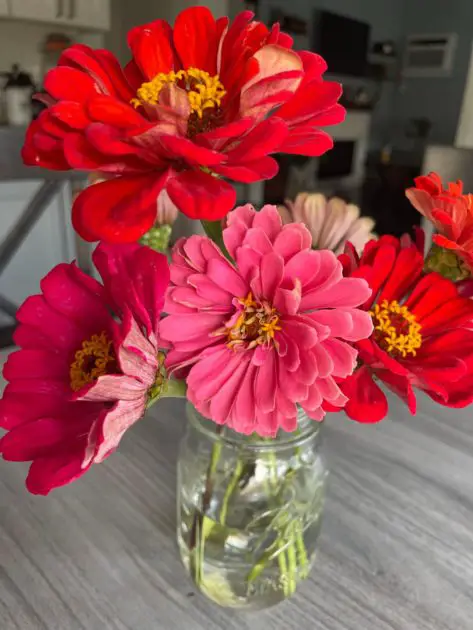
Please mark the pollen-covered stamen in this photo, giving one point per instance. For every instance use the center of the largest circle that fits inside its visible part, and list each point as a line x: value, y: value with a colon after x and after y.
x: 95, y: 358
x: 205, y: 92
x: 396, y: 329
x: 256, y: 324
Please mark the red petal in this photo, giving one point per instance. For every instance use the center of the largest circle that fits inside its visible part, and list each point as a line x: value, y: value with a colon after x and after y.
x: 366, y: 401
x: 68, y: 84
x: 232, y: 130
x: 406, y: 271
x: 133, y: 75
x: 151, y: 48
x: 431, y: 183
x: 264, y: 168
x: 201, y: 196
x: 195, y: 39
x: 430, y: 292
x: 83, y: 58
x: 111, y: 111
x: 307, y: 141
x: 80, y: 154
x: 47, y: 473
x: 70, y: 114
x: 120, y: 210
x: 455, y: 313
x: 400, y: 386
x: 265, y: 138
x: 110, y: 64
x: 184, y: 149
x: 310, y: 99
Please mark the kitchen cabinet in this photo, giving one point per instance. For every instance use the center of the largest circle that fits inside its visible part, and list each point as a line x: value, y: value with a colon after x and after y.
x: 50, y: 241
x: 4, y: 8
x: 42, y: 10
x: 89, y: 13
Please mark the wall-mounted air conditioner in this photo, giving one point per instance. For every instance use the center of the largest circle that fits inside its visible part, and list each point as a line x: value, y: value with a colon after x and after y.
x: 429, y: 55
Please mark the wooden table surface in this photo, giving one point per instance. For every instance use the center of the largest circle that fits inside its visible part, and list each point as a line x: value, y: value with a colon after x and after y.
x: 396, y: 550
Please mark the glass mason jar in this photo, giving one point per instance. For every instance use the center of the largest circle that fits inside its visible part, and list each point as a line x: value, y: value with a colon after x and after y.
x: 249, y: 510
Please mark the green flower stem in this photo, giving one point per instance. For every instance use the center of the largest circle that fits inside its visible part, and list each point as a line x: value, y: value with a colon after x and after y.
x: 174, y: 389
x: 292, y: 562
x: 303, y: 560
x: 289, y: 546
x: 282, y: 561
x: 169, y: 389
x: 197, y: 534
x: 230, y: 490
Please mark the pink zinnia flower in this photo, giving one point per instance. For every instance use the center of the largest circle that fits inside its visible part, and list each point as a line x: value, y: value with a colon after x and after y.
x: 83, y: 376
x: 331, y: 222
x: 267, y: 333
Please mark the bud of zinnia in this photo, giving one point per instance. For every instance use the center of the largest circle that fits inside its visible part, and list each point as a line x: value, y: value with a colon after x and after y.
x: 446, y: 263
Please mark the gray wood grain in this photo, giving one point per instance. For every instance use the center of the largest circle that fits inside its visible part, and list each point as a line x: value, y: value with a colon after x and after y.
x: 396, y: 550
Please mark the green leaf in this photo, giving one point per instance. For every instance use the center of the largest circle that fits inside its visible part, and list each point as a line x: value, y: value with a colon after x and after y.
x: 213, y: 229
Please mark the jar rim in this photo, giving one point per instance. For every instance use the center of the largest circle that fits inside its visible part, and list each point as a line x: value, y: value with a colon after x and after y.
x: 308, y: 430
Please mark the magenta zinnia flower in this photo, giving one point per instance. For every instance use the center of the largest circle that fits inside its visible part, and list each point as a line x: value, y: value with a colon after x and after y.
x: 87, y: 366
x: 267, y: 333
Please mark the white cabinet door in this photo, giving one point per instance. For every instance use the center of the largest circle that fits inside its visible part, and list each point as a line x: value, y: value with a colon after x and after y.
x: 4, y: 8
x: 49, y: 242
x: 93, y: 14
x: 42, y: 10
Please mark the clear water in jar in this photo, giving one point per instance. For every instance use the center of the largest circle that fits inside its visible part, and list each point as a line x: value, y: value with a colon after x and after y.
x: 259, y: 531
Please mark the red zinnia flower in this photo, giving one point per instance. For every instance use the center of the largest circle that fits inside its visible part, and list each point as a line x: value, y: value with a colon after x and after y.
x: 200, y: 100
x: 83, y: 376
x: 420, y: 337
x: 450, y: 211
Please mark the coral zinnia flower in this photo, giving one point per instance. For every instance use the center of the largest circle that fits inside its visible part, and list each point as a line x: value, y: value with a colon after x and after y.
x: 81, y: 377
x: 450, y: 211
x: 201, y: 100
x: 266, y: 333
x: 419, y: 338
x: 331, y: 222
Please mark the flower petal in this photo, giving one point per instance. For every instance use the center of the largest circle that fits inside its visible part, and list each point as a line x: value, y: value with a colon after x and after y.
x: 201, y: 196
x: 118, y: 210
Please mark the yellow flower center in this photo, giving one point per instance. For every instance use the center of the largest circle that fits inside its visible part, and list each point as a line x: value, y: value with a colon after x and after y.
x: 95, y: 358
x: 396, y: 328
x: 203, y: 90
x: 257, y: 324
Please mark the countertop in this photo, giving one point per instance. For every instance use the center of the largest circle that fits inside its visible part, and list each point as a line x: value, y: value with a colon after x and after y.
x: 396, y: 552
x: 11, y: 164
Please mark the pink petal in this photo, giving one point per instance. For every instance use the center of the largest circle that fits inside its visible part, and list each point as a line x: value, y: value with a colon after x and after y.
x: 348, y: 292
x: 292, y: 239
x: 113, y: 387
x: 342, y: 355
x: 211, y: 292
x: 115, y: 424
x: 183, y: 327
x: 325, y: 364
x: 272, y: 267
x: 266, y: 383
x: 224, y: 275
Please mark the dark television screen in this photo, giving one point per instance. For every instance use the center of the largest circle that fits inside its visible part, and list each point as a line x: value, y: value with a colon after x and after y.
x: 342, y: 42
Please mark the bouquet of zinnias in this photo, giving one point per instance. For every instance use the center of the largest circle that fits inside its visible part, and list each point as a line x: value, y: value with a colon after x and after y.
x: 262, y: 332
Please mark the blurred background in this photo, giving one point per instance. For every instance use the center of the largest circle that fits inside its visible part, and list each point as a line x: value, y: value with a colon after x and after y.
x: 407, y: 70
